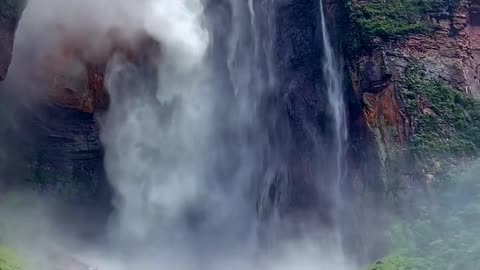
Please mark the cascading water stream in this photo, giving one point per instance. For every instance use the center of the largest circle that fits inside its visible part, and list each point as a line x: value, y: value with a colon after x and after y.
x: 251, y: 76
x: 214, y: 143
x: 194, y: 166
x: 333, y: 78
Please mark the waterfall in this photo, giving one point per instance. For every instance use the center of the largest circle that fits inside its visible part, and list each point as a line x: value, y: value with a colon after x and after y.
x: 217, y: 140
x: 251, y: 71
x: 197, y: 154
x: 160, y: 156
x: 184, y: 154
x: 333, y: 76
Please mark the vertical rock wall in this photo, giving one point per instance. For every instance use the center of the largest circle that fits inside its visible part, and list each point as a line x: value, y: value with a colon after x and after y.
x: 10, y: 11
x: 399, y: 75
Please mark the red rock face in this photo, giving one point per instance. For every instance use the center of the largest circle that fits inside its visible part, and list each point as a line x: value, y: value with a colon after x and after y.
x: 76, y: 71
x: 70, y: 83
x: 472, y: 60
x: 65, y: 157
x: 452, y: 54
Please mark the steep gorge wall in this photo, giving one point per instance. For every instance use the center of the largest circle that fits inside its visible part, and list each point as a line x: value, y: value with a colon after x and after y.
x: 10, y: 12
x: 63, y: 152
x: 414, y: 68
x: 397, y: 54
x: 51, y: 141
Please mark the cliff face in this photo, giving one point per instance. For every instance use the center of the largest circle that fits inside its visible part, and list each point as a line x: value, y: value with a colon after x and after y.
x: 414, y: 68
x: 64, y: 154
x: 10, y: 11
x: 67, y: 156
x: 54, y: 139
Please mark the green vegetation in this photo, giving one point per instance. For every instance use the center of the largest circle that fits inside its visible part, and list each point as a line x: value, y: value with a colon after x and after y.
x: 443, y: 235
x: 449, y: 123
x: 441, y: 232
x: 390, y: 19
x: 8, y: 260
x: 394, y: 19
x: 398, y: 263
x: 446, y: 122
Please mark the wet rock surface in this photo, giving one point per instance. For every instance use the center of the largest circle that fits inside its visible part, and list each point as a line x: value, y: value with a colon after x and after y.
x: 10, y: 12
x: 450, y: 53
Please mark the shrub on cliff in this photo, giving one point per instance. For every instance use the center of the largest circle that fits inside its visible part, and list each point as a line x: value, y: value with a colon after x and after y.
x: 446, y: 123
x: 391, y: 18
x: 399, y: 263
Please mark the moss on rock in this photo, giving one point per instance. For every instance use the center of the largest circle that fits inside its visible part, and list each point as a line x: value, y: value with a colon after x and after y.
x: 446, y: 122
x: 399, y: 263
x: 395, y: 19
x: 391, y: 19
x: 8, y: 260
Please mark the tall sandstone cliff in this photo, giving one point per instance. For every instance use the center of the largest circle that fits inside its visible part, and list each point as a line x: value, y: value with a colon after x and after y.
x: 414, y: 68
x: 65, y: 155
x: 51, y: 134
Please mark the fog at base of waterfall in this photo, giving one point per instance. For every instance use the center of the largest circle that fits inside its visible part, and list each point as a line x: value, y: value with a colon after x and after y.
x: 298, y: 255
x: 35, y: 239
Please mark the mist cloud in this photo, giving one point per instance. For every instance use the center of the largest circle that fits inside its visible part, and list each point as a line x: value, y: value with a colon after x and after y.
x: 181, y: 186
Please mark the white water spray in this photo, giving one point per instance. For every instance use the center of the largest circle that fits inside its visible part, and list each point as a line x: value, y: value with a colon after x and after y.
x: 333, y: 77
x: 156, y: 144
x: 181, y: 187
x: 163, y: 152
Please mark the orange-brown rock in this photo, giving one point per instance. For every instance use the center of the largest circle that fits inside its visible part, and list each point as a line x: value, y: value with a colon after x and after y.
x: 76, y: 70
x: 64, y: 157
x: 452, y: 54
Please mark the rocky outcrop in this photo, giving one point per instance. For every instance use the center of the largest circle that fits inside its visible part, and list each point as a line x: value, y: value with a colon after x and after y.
x: 54, y: 139
x: 398, y: 77
x: 75, y: 72
x: 66, y: 156
x: 10, y: 11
